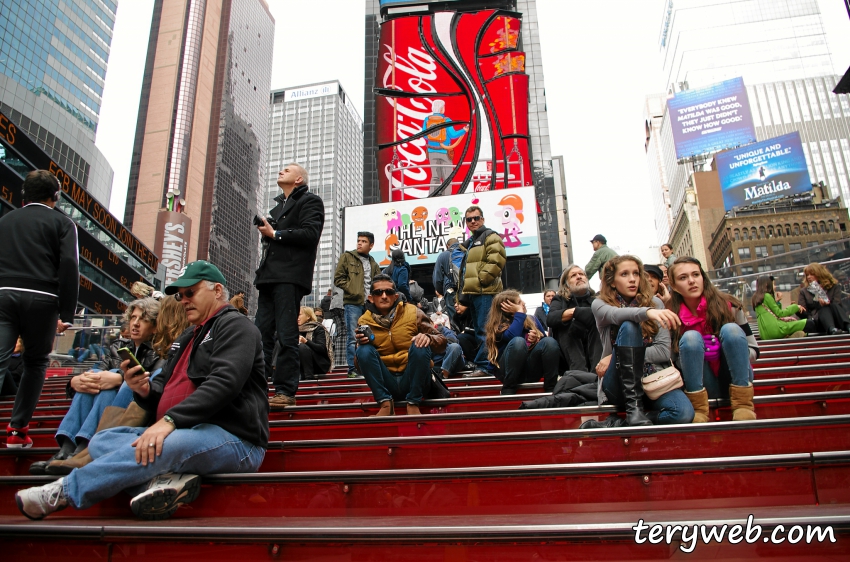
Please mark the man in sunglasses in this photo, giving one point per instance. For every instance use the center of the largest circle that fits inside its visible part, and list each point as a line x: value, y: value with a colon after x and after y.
x: 396, y: 360
x: 210, y: 404
x: 482, y: 277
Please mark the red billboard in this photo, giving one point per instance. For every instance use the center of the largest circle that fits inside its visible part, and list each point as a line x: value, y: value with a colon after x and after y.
x: 451, y: 105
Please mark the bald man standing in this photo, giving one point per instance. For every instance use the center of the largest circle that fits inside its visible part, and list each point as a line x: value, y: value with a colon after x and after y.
x: 285, y: 276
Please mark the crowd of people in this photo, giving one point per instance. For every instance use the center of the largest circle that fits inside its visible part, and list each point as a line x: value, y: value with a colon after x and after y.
x: 184, y: 391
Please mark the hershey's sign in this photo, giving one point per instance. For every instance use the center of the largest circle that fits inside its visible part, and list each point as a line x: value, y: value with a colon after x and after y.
x: 173, y: 231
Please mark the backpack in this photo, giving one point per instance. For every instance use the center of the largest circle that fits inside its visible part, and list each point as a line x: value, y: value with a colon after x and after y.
x: 438, y: 135
x: 455, y: 264
x: 416, y: 292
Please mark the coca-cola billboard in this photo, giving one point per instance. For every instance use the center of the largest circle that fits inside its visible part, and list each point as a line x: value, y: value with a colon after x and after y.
x: 451, y: 105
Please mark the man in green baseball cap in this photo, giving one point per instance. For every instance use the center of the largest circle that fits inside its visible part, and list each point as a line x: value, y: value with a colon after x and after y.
x: 210, y: 405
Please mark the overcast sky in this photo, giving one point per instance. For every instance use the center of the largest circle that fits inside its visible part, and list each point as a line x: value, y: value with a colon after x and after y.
x: 600, y: 59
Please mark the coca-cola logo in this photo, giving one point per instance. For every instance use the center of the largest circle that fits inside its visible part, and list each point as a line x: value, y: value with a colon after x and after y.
x: 417, y: 70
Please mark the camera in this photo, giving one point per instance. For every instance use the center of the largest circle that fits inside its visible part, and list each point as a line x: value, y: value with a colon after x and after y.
x: 365, y: 331
x: 258, y: 221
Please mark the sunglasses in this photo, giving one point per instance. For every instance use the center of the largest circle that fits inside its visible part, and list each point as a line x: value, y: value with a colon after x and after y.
x: 387, y: 292
x: 475, y: 218
x: 188, y: 293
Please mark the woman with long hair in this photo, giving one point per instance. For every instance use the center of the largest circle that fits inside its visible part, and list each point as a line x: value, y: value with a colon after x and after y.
x: 517, y: 345
x: 634, y: 328
x: 314, y: 345
x: 771, y: 318
x: 821, y: 299
x: 171, y: 322
x: 715, y: 344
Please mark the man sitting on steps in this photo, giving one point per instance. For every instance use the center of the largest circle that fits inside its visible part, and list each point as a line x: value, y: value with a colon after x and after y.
x: 397, y: 362
x: 212, y: 412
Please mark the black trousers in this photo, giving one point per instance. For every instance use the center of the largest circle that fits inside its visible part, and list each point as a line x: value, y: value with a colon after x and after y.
x: 33, y: 317
x: 829, y: 317
x: 311, y: 365
x: 278, y: 306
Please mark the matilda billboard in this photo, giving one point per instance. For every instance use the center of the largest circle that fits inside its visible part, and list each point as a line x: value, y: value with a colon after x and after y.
x: 422, y: 228
x: 451, y: 97
x: 711, y: 119
x: 763, y: 171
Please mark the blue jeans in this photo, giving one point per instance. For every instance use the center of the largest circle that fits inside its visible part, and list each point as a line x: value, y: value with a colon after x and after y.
x: 97, y: 349
x: 452, y: 360
x: 86, y: 410
x: 672, y: 407
x: 518, y: 364
x: 696, y: 373
x: 409, y: 385
x: 480, y: 305
x: 353, y: 312
x: 81, y: 354
x: 203, y: 449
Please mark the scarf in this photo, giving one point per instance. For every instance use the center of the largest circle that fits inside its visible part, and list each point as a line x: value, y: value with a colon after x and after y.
x: 648, y: 368
x: 818, y: 292
x: 545, y: 308
x: 699, y: 321
x: 385, y: 321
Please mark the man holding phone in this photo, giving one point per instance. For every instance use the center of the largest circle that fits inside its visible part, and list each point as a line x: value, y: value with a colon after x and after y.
x: 210, y: 403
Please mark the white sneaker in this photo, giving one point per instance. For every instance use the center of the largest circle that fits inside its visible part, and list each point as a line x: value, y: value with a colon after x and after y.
x: 165, y: 494
x: 39, y: 502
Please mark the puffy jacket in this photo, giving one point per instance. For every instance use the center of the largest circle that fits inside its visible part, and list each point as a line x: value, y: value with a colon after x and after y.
x: 393, y: 344
x: 227, y: 367
x: 600, y: 257
x: 485, y: 259
x: 349, y: 277
x: 291, y: 255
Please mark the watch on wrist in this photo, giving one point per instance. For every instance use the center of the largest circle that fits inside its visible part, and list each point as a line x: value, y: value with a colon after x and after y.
x: 169, y: 419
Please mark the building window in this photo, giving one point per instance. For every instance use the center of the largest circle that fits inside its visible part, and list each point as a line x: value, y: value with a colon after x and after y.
x: 778, y: 249
x: 746, y: 270
x: 737, y: 234
x: 762, y: 234
x: 744, y: 253
x: 761, y: 252
x: 805, y: 229
x: 745, y: 234
x: 793, y: 247
x: 796, y: 229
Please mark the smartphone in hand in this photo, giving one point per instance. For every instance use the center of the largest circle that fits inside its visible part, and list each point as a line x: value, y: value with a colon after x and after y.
x: 127, y: 355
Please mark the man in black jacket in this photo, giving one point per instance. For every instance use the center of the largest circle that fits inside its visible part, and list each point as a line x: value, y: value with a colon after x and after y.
x: 285, y: 276
x: 211, y: 407
x: 39, y: 282
x: 572, y: 324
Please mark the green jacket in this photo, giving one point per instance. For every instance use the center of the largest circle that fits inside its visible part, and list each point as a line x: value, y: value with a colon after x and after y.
x: 600, y: 257
x: 485, y: 259
x: 349, y: 277
x: 770, y: 326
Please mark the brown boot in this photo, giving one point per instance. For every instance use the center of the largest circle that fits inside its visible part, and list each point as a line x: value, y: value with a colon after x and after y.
x: 133, y: 416
x: 387, y: 409
x: 413, y: 410
x: 742, y: 402
x: 699, y: 400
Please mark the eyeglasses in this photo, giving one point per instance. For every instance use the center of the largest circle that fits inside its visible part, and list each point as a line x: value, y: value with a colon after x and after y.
x: 387, y: 292
x: 188, y: 293
x: 476, y: 218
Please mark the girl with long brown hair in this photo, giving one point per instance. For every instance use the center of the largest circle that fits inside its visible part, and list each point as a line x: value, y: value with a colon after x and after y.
x: 517, y: 345
x: 715, y: 344
x: 634, y: 328
x: 821, y: 298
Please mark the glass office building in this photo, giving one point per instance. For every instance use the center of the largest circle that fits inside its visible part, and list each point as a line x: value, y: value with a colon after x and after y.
x: 53, y: 60
x: 317, y: 126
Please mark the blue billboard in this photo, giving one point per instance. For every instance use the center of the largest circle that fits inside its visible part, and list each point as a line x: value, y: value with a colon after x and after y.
x: 763, y: 171
x: 711, y: 119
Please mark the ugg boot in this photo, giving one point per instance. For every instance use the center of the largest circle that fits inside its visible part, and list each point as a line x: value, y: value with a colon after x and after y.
x: 630, y: 370
x: 413, y: 410
x: 742, y: 402
x: 699, y: 400
x: 387, y: 409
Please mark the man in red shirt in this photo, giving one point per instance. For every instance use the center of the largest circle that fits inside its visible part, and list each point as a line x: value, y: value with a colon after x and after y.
x: 211, y: 405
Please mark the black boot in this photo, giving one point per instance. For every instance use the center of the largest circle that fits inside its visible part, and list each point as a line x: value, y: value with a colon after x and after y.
x: 613, y: 420
x: 630, y: 370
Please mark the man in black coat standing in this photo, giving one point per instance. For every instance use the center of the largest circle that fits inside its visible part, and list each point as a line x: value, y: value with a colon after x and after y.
x: 572, y: 323
x: 285, y: 276
x: 39, y: 282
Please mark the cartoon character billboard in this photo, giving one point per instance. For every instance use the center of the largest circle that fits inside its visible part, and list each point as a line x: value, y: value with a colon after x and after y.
x: 451, y: 98
x: 763, y: 171
x: 421, y: 228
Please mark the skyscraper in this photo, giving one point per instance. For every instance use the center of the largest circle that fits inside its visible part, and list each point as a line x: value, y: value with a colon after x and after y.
x: 53, y: 59
x: 552, y: 237
x: 317, y: 126
x: 780, y: 50
x: 197, y: 171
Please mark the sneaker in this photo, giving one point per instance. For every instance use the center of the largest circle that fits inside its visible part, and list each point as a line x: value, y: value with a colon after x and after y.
x: 36, y: 503
x: 165, y: 494
x: 280, y: 401
x: 17, y: 438
x: 353, y: 374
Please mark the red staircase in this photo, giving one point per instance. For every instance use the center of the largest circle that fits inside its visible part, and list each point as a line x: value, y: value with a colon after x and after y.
x: 475, y: 478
